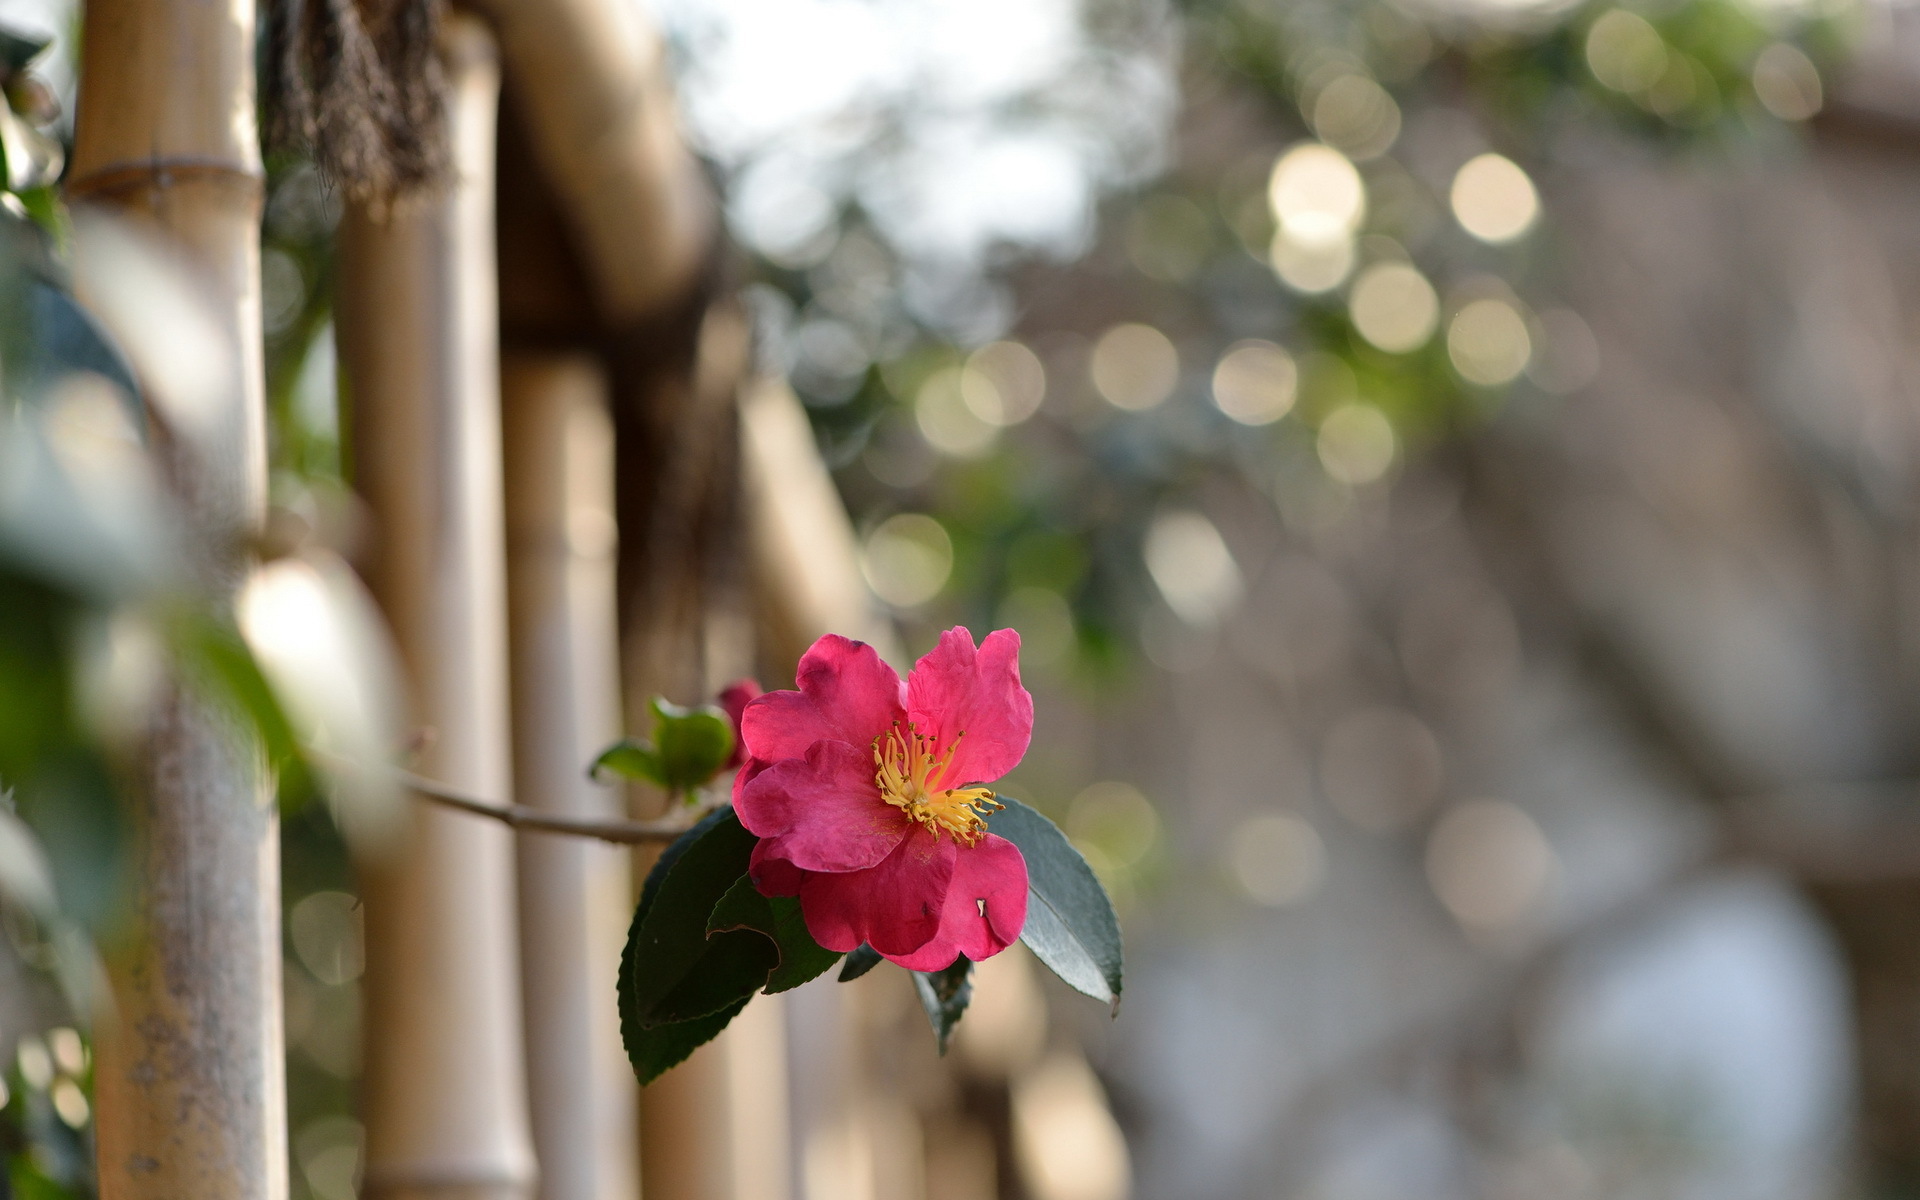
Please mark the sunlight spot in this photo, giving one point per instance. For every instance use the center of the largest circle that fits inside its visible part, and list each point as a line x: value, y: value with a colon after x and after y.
x: 1493, y: 199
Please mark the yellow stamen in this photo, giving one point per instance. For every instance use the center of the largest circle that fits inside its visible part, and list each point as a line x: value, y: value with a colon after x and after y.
x: 910, y: 778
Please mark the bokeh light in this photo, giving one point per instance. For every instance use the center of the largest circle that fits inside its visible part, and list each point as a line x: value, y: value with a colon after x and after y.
x: 1488, y: 342
x: 1318, y: 201
x: 1357, y: 115
x: 1003, y: 383
x: 947, y: 420
x: 1787, y: 82
x: 1316, y: 194
x: 1566, y: 356
x: 1625, y: 52
x: 1490, y: 864
x: 907, y: 559
x: 1192, y: 566
x: 1276, y: 858
x: 1115, y: 820
x: 1255, y: 382
x: 1356, y: 443
x: 1135, y: 367
x: 1493, y: 199
x: 1394, y: 307
x: 1045, y: 622
x: 1311, y: 267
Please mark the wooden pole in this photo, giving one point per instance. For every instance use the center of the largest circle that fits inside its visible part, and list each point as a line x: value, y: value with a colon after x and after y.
x: 806, y: 571
x: 190, y: 1085
x: 575, y: 896
x: 593, y: 92
x: 445, y: 1087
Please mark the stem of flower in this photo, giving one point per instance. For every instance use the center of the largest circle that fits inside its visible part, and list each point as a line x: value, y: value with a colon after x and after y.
x: 532, y: 820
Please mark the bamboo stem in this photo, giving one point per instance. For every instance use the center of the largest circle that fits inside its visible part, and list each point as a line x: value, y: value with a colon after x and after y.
x: 190, y: 1084
x: 574, y: 896
x: 444, y: 1086
x: 590, y: 78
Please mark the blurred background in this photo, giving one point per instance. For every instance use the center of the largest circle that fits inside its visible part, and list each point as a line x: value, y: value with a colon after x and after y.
x: 1454, y: 466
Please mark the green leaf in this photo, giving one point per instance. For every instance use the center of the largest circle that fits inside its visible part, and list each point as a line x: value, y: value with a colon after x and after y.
x: 629, y: 759
x: 732, y: 966
x: 945, y: 995
x: 1070, y: 922
x: 693, y: 743
x: 653, y: 1051
x: 668, y: 937
x: 215, y: 652
x: 864, y: 958
x: 778, y: 919
x: 677, y: 973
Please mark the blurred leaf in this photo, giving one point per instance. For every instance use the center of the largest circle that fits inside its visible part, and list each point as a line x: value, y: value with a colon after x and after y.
x: 693, y: 743
x: 214, y: 650
x: 44, y: 206
x: 945, y: 995
x: 66, y: 338
x: 99, y: 526
x: 25, y: 876
x: 317, y: 638
x: 629, y: 759
x: 1070, y: 922
x: 779, y: 919
x: 864, y: 958
x: 19, y: 48
x: 33, y: 160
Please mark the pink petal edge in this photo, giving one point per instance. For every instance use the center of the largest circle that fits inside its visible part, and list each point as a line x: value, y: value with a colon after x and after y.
x: 959, y: 688
x: 846, y: 693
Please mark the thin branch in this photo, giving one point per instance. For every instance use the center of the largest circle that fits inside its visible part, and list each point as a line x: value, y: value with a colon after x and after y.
x: 520, y: 816
x: 535, y: 820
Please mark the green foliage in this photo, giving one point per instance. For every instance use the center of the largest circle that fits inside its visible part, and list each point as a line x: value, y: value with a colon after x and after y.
x: 1070, y: 922
x: 860, y: 960
x: 945, y: 995
x: 779, y: 919
x: 703, y: 941
x: 674, y: 958
x: 689, y: 747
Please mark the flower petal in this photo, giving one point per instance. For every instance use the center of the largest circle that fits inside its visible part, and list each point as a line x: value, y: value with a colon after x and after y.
x: 822, y: 812
x: 846, y: 694
x: 735, y: 700
x: 985, y: 910
x: 957, y: 689
x: 771, y: 874
x: 895, y: 907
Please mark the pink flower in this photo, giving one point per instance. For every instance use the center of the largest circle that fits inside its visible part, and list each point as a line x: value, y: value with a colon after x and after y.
x: 734, y: 700
x: 866, y: 794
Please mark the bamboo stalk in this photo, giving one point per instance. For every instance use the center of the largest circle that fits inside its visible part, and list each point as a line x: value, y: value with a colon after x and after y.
x: 574, y: 897
x: 805, y: 558
x: 444, y: 1087
x: 190, y: 1084
x: 593, y: 93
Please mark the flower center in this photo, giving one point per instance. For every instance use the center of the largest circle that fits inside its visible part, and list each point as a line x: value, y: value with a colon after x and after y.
x: 910, y: 776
